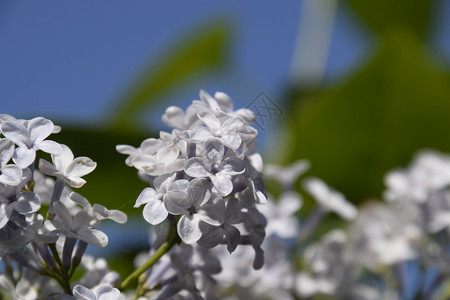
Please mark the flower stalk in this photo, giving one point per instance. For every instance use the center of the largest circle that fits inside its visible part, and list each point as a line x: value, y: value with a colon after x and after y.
x: 171, y: 240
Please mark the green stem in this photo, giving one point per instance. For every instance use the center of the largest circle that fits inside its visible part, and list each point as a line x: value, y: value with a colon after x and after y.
x: 61, y: 276
x: 55, y: 254
x: 171, y: 240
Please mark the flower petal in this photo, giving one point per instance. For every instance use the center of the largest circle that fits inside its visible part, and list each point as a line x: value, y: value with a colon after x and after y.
x: 39, y: 128
x: 48, y: 169
x: 23, y: 156
x: 214, y: 150
x: 224, y: 101
x: 197, y: 167
x: 188, y: 229
x: 233, y: 236
x: 200, y: 134
x: 104, y: 213
x: 210, y: 121
x: 211, y: 235
x: 6, y: 151
x: 167, y: 155
x: 80, y: 166
x: 212, y: 214
x: 177, y: 202
x: 232, y: 124
x: 3, y: 216
x: 17, y: 133
x: 155, y: 212
x: 64, y: 159
x: 232, y: 166
x: 222, y: 183
x: 75, y: 182
x: 146, y: 195
x: 94, y: 237
x: 28, y: 202
x: 51, y: 147
x: 81, y: 292
x: 199, y: 191
x: 11, y: 175
x: 174, y: 117
x: 231, y: 140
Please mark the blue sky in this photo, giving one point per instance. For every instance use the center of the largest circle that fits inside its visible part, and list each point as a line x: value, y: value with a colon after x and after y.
x: 69, y: 60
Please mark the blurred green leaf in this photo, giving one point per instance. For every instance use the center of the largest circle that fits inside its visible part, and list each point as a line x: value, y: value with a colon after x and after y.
x: 112, y: 183
x: 354, y: 132
x: 382, y: 15
x: 203, y: 49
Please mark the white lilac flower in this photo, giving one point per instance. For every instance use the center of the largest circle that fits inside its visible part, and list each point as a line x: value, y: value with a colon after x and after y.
x: 329, y: 199
x: 214, y: 235
x: 79, y: 226
x: 196, y: 205
x: 101, y: 292
x: 149, y: 146
x: 286, y: 175
x: 215, y: 167
x: 13, y: 200
x: 27, y: 203
x: 222, y: 102
x: 66, y: 167
x: 226, y: 132
x: 155, y: 210
x: 175, y: 117
x: 250, y: 185
x: 96, y: 272
x: 165, y: 161
x: 29, y: 137
x: 21, y: 290
x: 255, y: 223
x: 428, y: 173
x: 10, y: 174
x: 15, y: 235
x: 329, y: 268
x: 386, y: 234
x: 281, y: 215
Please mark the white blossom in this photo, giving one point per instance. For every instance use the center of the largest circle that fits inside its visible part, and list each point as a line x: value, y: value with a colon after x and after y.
x: 29, y: 137
x: 215, y: 167
x: 101, y: 292
x: 195, y: 205
x: 10, y: 174
x: 66, y: 167
x: 329, y: 199
x: 155, y: 210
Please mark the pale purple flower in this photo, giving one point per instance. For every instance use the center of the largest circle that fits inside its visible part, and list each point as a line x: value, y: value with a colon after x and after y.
x: 281, y: 215
x: 226, y: 132
x: 329, y: 199
x: 66, y: 167
x: 214, y: 235
x: 80, y: 226
x: 196, y: 205
x: 215, y: 167
x: 286, y: 175
x: 155, y: 210
x: 101, y: 292
x: 149, y: 146
x: 9, y: 174
x: 29, y: 137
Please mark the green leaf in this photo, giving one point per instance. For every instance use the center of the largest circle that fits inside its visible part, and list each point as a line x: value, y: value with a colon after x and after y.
x: 203, y: 49
x: 376, y: 120
x: 112, y: 184
x: 382, y: 15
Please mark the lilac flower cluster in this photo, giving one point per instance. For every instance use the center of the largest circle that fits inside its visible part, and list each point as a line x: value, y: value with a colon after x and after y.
x: 205, y: 172
x: 45, y: 247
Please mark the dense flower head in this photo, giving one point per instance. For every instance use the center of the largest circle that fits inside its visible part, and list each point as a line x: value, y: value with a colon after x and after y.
x: 51, y: 245
x: 204, y: 171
